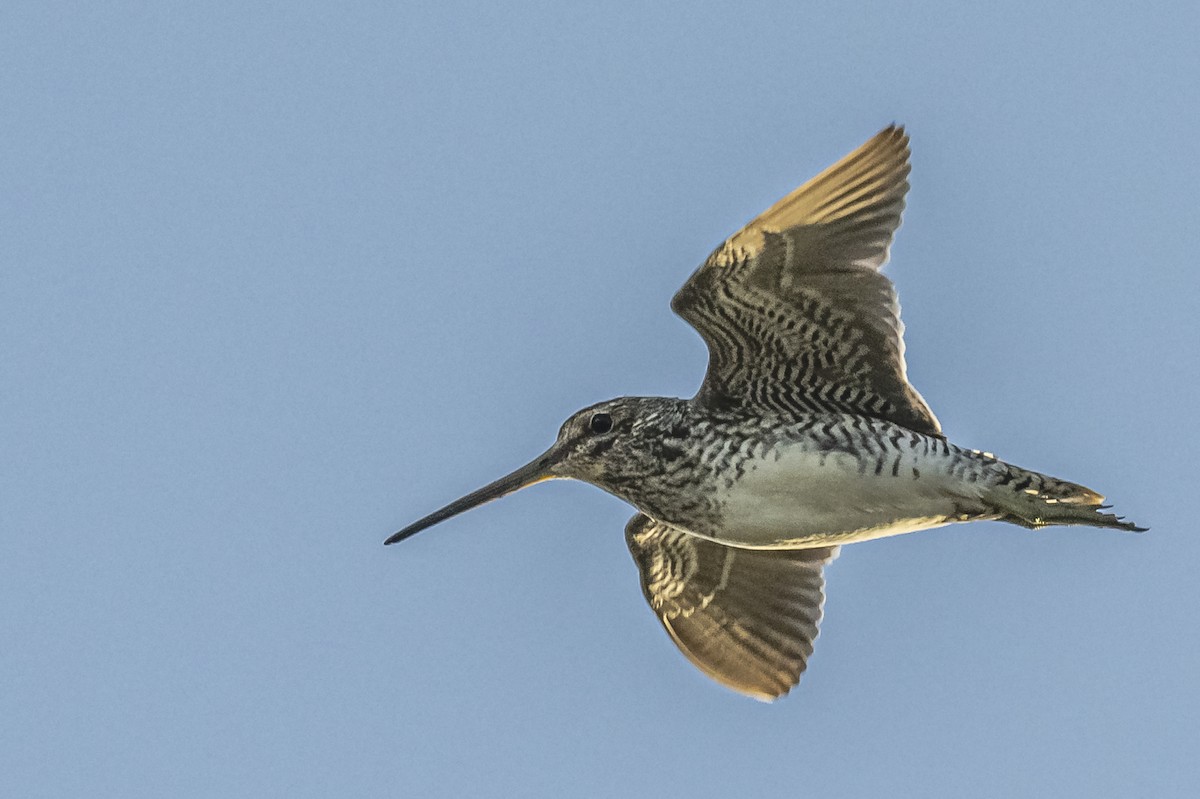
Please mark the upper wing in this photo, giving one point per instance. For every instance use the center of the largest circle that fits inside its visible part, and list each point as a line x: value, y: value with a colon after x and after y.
x: 747, y: 618
x: 795, y: 312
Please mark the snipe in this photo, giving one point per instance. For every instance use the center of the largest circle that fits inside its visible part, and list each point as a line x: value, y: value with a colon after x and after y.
x: 805, y: 435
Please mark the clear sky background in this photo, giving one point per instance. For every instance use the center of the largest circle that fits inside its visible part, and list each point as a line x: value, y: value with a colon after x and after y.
x: 277, y: 279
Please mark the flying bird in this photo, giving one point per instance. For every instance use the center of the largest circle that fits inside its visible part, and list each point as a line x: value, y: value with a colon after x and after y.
x: 804, y: 436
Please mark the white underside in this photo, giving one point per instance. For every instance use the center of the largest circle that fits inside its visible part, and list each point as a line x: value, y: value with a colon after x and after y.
x: 807, y: 499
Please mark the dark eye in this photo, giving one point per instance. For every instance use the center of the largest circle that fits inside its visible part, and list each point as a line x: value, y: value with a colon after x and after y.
x: 600, y: 423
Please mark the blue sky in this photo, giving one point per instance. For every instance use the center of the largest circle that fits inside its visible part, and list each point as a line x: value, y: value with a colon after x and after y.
x: 277, y: 279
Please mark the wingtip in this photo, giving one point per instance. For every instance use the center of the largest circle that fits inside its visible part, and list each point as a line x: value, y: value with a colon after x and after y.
x: 764, y: 697
x: 893, y: 140
x: 895, y: 131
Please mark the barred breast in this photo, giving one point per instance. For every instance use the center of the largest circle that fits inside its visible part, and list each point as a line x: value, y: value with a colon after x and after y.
x: 840, y: 479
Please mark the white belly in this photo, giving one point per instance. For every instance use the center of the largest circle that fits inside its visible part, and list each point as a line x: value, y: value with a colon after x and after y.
x: 808, y: 498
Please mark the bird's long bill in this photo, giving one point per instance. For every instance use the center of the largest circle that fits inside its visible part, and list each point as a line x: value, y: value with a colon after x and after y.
x: 533, y: 472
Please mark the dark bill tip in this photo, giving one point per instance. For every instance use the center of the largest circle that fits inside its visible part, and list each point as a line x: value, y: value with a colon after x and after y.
x: 407, y: 532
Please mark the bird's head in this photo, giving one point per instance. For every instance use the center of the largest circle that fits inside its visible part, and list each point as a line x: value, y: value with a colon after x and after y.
x: 596, y: 445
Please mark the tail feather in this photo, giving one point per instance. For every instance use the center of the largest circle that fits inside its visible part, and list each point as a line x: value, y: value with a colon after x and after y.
x: 1036, y: 500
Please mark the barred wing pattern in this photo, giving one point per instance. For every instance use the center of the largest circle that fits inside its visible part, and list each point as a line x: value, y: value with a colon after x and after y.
x: 796, y: 315
x: 747, y: 618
